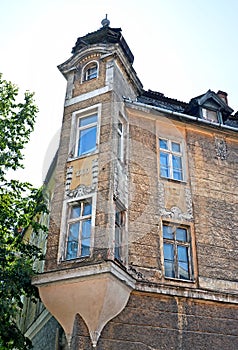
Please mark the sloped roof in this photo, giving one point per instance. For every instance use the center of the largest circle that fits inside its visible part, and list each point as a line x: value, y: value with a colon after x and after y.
x: 104, y: 35
x: 158, y: 99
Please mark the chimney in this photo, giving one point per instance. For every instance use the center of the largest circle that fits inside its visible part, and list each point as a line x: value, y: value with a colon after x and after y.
x: 223, y: 96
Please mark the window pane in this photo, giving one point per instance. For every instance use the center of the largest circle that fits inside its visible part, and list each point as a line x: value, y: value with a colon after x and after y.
x: 183, y: 270
x: 88, y: 120
x: 210, y: 115
x: 177, y: 162
x: 92, y: 73
x: 177, y: 167
x: 85, y: 247
x: 119, y: 147
x: 164, y: 164
x: 175, y: 147
x: 72, y: 246
x: 169, y: 260
x: 86, y: 229
x: 118, y: 218
x: 87, y: 140
x: 181, y: 234
x: 167, y: 232
x: 182, y: 253
x: 168, y: 251
x: 177, y: 175
x: 87, y: 209
x: 169, y: 269
x: 75, y: 211
x: 117, y: 252
x: 120, y: 126
x: 163, y: 144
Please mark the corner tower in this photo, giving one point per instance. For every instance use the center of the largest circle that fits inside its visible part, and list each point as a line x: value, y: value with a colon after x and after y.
x: 87, y: 252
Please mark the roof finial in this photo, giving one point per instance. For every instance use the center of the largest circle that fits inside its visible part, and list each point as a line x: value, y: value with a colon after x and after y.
x: 105, y: 22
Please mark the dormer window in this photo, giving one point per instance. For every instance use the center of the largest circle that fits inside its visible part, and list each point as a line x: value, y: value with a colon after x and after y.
x: 90, y: 71
x: 210, y: 115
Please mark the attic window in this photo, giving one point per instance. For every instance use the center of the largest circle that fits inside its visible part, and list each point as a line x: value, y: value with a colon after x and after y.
x: 210, y: 115
x: 90, y: 71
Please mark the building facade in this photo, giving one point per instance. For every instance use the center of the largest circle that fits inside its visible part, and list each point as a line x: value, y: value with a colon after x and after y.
x: 143, y: 235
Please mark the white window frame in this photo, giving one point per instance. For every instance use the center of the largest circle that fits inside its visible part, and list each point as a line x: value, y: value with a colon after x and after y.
x: 84, y: 128
x: 170, y: 154
x: 75, y: 130
x: 205, y: 114
x: 120, y: 140
x: 64, y: 227
x: 178, y: 243
x: 85, y: 75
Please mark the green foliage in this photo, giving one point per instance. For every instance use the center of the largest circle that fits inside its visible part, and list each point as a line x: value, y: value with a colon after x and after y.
x: 20, y: 206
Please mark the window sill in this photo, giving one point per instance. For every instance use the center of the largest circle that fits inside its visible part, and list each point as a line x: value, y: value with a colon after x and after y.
x: 70, y: 159
x: 179, y: 280
x: 88, y: 80
x: 173, y: 180
x: 74, y: 260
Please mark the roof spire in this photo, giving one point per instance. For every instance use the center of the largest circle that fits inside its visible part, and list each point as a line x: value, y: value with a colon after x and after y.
x: 105, y: 22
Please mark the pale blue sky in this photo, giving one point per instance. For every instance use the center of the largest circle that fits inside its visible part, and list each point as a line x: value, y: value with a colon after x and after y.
x: 182, y: 48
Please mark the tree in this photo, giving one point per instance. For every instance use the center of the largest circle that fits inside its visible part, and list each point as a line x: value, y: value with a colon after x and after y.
x: 20, y: 205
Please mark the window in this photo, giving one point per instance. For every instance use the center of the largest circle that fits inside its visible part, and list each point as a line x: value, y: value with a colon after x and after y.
x: 87, y: 134
x: 79, y: 229
x: 177, y: 252
x: 210, y: 115
x: 90, y: 71
x: 171, y: 160
x: 119, y: 228
x: 120, y: 143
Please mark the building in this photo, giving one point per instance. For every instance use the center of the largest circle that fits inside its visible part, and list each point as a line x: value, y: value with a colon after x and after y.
x: 143, y: 236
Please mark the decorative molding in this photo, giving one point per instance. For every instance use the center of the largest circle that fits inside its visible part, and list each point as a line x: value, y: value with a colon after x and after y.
x: 69, y: 176
x: 220, y: 148
x: 87, y: 95
x: 189, y: 202
x: 175, y: 212
x: 80, y: 191
x: 38, y: 324
x: 94, y: 172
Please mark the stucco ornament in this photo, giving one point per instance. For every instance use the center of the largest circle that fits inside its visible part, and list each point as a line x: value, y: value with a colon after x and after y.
x: 220, y: 148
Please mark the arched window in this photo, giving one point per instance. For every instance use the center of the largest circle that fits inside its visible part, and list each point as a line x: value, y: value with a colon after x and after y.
x: 90, y: 71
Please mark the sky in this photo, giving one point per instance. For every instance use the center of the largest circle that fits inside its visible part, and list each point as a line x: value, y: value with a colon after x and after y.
x: 182, y: 48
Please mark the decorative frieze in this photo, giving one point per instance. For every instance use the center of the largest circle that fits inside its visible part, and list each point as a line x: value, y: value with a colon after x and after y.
x: 80, y: 191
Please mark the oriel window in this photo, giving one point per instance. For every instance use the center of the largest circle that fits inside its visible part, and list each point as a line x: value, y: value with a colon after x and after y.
x: 79, y: 229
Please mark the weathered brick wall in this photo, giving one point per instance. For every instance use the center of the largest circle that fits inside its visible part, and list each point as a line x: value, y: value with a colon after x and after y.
x: 158, y: 322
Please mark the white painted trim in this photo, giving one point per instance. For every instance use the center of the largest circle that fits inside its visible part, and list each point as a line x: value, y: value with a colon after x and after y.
x: 87, y: 95
x: 64, y: 222
x: 85, y: 67
x: 38, y: 324
x: 74, y: 132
